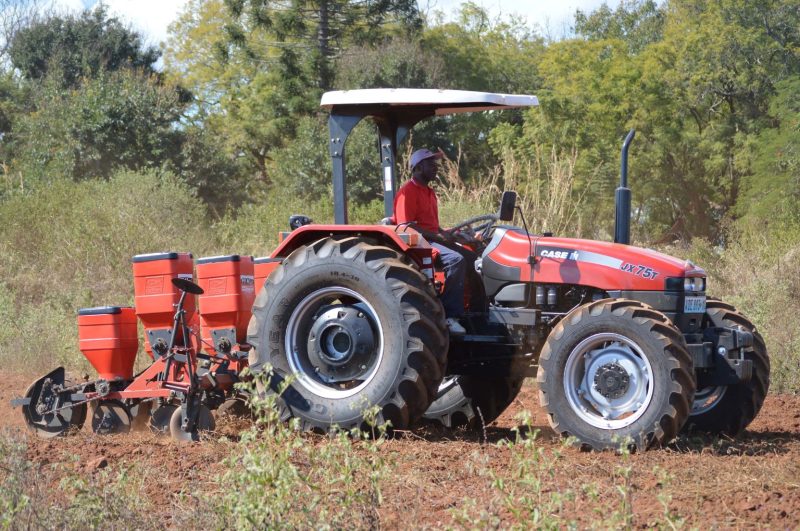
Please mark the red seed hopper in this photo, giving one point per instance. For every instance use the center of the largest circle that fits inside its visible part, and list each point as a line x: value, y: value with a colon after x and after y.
x: 227, y: 301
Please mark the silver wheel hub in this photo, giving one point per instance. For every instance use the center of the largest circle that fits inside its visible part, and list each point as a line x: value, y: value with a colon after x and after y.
x: 334, y: 342
x: 341, y: 343
x: 608, y: 381
x: 707, y: 398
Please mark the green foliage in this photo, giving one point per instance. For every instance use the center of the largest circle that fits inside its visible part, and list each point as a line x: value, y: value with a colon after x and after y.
x: 758, y: 271
x: 277, y: 478
x: 247, y: 97
x: 637, y: 22
x: 254, y: 229
x: 120, y: 119
x: 67, y: 48
x: 257, y: 67
x: 695, y: 80
x: 397, y: 62
x: 485, y: 54
x: 69, y: 246
x: 773, y: 189
x: 304, y: 167
x: 310, y: 33
x: 218, y: 177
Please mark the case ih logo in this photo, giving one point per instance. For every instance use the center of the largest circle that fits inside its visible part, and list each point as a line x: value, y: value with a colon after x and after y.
x: 561, y: 254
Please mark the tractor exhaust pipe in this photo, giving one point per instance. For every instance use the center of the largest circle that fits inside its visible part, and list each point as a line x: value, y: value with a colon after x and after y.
x: 622, y: 196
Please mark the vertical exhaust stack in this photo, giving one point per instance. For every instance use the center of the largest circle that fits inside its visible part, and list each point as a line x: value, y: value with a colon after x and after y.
x: 622, y: 196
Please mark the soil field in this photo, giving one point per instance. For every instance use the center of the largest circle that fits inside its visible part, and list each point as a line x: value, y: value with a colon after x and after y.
x: 753, y: 481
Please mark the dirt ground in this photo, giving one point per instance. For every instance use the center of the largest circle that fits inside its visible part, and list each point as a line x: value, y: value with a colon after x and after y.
x: 753, y: 481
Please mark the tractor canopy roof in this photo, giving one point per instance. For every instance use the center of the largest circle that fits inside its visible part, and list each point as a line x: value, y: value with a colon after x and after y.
x: 396, y: 111
x: 424, y: 101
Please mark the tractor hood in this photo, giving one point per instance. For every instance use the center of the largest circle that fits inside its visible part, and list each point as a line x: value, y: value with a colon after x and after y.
x: 604, y: 265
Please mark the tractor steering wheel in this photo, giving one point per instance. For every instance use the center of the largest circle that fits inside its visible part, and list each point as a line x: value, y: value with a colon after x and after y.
x: 473, y: 226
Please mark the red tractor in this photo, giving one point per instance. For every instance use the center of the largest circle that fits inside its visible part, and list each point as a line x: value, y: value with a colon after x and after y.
x: 622, y: 340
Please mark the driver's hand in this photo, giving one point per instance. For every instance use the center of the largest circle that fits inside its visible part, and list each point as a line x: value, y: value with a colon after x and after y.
x: 447, y: 236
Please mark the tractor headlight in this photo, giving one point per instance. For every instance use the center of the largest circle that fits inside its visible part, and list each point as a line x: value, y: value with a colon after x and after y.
x: 694, y: 284
x: 686, y: 284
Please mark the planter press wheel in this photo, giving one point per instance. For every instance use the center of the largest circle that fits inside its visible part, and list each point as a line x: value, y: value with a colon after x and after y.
x: 111, y: 417
x: 42, y: 398
x: 205, y: 423
x: 160, y: 418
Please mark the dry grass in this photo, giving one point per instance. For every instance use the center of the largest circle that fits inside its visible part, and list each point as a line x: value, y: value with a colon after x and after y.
x: 759, y: 273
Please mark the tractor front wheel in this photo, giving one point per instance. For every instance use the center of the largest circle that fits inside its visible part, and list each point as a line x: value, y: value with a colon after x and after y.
x: 352, y: 325
x: 475, y: 401
x: 729, y: 409
x: 616, y: 370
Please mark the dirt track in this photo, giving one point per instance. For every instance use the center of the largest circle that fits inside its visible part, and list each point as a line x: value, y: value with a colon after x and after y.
x: 750, y: 482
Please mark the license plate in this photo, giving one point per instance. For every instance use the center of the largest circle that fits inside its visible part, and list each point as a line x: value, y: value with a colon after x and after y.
x: 694, y: 304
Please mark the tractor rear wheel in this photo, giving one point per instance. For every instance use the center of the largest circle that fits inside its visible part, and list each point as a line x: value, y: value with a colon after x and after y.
x: 616, y: 369
x: 729, y: 409
x: 352, y: 325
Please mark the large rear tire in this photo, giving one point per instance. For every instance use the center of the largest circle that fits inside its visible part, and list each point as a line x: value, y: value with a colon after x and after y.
x: 616, y: 369
x: 728, y: 410
x: 352, y: 325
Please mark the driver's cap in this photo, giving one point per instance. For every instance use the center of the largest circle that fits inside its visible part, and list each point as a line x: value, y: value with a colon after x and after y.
x: 423, y: 154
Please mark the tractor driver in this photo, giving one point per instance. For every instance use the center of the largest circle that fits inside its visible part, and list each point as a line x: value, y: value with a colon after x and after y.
x: 416, y: 205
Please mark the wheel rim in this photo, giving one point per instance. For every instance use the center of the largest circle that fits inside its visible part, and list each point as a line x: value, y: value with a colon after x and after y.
x: 334, y: 342
x: 707, y: 398
x: 608, y: 381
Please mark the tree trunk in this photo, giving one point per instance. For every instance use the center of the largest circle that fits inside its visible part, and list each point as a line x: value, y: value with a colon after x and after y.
x: 323, y: 45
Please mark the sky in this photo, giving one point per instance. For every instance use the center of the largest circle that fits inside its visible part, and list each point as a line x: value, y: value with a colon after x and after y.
x: 152, y: 17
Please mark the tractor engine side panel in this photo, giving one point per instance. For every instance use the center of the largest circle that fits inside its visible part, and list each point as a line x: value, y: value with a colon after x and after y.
x: 604, y: 265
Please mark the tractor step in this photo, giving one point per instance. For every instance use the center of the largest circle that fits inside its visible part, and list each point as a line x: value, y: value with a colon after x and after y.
x: 483, y: 339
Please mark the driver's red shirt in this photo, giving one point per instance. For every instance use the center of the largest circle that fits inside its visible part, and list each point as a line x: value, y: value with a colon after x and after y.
x: 417, y: 202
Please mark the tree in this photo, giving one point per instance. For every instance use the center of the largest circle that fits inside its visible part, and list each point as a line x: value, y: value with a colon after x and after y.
x: 16, y: 15
x: 484, y: 54
x: 255, y: 68
x: 636, y: 22
x: 249, y: 101
x: 693, y: 77
x: 772, y: 191
x: 115, y: 120
x: 73, y: 46
x: 317, y: 31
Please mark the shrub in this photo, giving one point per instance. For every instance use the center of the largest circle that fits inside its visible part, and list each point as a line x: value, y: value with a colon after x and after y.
x: 759, y: 272
x: 278, y: 477
x: 69, y: 245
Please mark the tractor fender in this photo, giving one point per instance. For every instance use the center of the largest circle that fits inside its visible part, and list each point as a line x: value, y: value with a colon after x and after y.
x: 400, y: 237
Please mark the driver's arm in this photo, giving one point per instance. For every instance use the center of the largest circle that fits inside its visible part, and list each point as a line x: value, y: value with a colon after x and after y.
x: 440, y: 237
